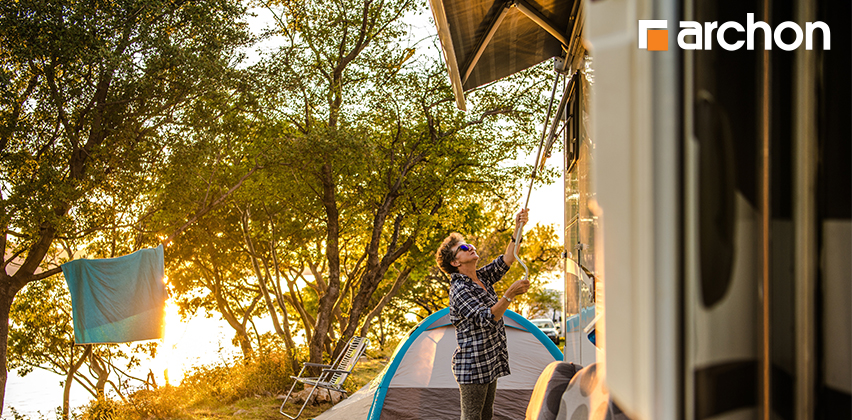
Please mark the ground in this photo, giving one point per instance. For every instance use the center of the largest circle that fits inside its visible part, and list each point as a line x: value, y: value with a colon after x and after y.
x: 266, y: 407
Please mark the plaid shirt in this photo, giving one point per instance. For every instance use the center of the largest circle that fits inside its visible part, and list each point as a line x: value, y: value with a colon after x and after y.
x: 482, y: 355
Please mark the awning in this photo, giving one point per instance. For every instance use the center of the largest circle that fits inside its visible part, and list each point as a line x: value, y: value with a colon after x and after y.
x: 486, y: 40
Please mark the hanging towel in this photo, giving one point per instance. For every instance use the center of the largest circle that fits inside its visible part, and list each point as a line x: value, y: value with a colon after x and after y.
x: 116, y: 300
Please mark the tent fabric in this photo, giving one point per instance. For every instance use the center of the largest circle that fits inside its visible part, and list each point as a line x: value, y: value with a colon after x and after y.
x: 117, y: 300
x: 418, y: 381
x: 517, y: 44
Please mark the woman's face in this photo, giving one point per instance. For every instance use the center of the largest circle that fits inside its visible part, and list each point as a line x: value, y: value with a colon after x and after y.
x: 465, y: 253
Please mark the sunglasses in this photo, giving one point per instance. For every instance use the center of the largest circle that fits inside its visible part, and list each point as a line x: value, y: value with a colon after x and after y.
x: 465, y: 248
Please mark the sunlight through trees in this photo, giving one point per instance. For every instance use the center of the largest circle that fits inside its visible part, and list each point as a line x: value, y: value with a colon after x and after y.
x: 306, y: 191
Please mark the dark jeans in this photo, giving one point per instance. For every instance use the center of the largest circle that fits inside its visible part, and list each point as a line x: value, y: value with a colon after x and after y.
x: 477, y: 401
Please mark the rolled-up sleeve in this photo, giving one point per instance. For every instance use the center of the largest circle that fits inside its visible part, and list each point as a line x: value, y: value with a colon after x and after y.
x: 492, y: 272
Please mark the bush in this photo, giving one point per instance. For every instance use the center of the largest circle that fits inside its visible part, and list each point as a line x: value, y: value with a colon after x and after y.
x: 268, y: 374
x: 164, y: 403
x: 101, y: 408
x: 217, y: 390
x: 215, y: 382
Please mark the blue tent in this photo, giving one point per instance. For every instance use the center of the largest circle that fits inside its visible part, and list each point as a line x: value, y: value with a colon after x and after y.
x: 418, y: 383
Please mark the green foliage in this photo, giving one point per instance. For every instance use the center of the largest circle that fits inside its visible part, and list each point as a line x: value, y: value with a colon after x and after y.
x: 41, y: 335
x: 541, y: 303
x: 362, y: 162
x: 268, y: 373
x: 164, y: 403
x: 93, y: 96
x: 265, y: 374
x: 489, y: 225
x: 104, y: 82
x: 306, y: 188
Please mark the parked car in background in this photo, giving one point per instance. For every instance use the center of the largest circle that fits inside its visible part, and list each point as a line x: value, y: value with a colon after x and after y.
x: 548, y: 328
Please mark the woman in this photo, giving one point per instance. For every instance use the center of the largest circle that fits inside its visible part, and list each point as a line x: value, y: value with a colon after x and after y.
x: 477, y: 313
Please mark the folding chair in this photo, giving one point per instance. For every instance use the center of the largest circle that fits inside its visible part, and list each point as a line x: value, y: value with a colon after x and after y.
x: 333, y: 376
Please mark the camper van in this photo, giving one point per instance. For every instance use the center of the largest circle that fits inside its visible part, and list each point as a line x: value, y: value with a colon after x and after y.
x: 707, y: 194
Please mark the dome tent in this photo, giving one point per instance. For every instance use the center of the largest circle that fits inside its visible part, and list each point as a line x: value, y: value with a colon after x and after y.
x: 418, y: 382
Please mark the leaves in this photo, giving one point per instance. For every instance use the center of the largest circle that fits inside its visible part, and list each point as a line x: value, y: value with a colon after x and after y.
x: 365, y: 160
x: 94, y: 95
x: 310, y: 188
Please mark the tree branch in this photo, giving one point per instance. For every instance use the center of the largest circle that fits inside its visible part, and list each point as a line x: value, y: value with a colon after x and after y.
x: 206, y: 210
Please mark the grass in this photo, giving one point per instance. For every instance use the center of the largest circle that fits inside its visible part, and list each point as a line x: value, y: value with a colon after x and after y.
x: 251, y: 391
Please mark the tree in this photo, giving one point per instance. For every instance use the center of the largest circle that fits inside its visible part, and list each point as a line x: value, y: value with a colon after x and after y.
x: 209, y: 266
x: 92, y: 92
x: 375, y: 144
x: 208, y: 257
x: 42, y: 337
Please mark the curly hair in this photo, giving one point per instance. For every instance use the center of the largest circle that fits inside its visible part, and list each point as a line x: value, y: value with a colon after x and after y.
x: 445, y: 255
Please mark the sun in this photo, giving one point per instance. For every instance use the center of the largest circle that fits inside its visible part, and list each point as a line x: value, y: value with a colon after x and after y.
x: 200, y: 339
x: 168, y: 366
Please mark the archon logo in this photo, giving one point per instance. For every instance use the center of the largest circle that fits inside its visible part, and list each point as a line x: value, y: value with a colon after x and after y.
x: 654, y: 35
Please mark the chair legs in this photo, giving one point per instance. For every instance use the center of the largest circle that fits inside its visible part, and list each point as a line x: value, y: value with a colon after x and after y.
x: 281, y: 410
x: 332, y: 376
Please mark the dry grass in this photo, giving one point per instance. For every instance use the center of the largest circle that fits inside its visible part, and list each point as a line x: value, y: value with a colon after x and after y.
x: 254, y: 391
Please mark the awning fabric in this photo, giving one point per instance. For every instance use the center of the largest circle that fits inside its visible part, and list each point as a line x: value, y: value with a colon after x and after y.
x: 518, y: 42
x: 117, y: 300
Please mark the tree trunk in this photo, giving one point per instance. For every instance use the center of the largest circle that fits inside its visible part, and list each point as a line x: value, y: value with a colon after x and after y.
x: 69, y: 379
x: 332, y: 248
x: 260, y: 277
x: 7, y: 294
x: 9, y: 287
x: 375, y: 272
x: 369, y: 283
x: 231, y: 319
x: 213, y: 282
x: 307, y: 320
x: 245, y: 345
x: 101, y: 372
x: 285, y: 318
x: 281, y: 299
x: 400, y: 280
x: 151, y: 381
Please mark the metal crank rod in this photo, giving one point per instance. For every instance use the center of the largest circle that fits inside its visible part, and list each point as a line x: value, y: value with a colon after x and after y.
x: 519, y: 228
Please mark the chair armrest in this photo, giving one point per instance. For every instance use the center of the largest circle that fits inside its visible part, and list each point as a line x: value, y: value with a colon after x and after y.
x: 305, y: 378
x: 315, y: 364
x: 335, y: 371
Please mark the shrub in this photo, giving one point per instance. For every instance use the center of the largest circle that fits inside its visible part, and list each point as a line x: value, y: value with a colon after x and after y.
x: 164, y: 403
x: 266, y: 374
x: 204, y: 386
x: 101, y: 408
x: 216, y: 382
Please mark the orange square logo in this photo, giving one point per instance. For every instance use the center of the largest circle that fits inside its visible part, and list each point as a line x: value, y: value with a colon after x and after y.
x: 658, y: 40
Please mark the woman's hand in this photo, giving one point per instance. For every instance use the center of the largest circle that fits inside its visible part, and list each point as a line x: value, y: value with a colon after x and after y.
x: 521, y: 219
x: 518, y: 288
